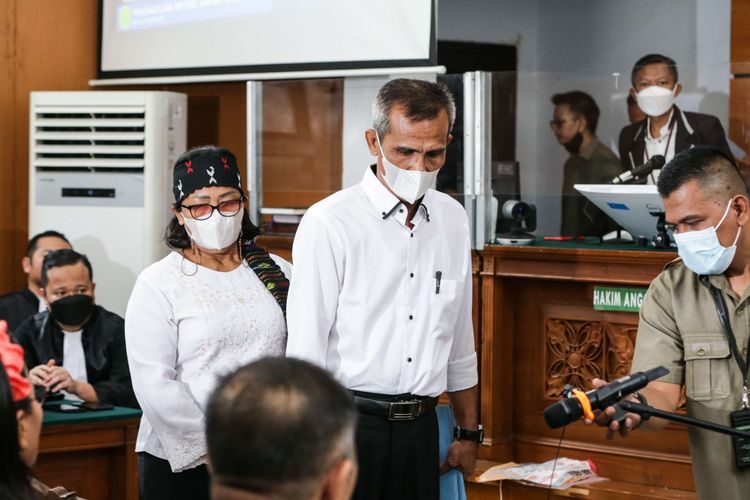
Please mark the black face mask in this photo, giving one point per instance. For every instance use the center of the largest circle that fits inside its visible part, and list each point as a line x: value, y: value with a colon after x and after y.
x: 574, y: 145
x: 72, y: 310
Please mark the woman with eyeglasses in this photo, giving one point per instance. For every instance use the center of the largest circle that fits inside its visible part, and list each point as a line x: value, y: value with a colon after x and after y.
x: 20, y: 427
x: 216, y: 302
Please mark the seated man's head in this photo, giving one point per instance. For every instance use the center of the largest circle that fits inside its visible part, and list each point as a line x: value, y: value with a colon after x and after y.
x: 575, y: 119
x: 281, y: 428
x: 654, y: 79
x: 68, y: 288
x: 20, y: 421
x: 36, y: 249
x: 706, y: 205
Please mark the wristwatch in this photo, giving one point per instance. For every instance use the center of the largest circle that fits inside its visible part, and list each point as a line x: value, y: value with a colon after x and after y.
x: 476, y: 436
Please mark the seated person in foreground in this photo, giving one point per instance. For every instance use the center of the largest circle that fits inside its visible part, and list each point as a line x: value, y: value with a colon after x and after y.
x: 20, y: 426
x: 281, y: 428
x: 17, y: 306
x: 76, y: 346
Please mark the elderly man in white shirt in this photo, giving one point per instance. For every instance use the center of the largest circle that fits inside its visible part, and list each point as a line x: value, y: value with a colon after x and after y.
x: 381, y: 297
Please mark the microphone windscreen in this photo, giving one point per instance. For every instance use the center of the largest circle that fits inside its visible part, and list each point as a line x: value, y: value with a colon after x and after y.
x: 659, y: 162
x: 563, y: 412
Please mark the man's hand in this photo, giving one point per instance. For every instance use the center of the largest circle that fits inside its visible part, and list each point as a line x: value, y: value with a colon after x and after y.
x: 604, y: 418
x: 59, y: 379
x: 40, y: 374
x: 462, y: 455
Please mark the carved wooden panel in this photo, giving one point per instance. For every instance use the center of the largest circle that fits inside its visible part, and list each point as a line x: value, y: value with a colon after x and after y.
x: 578, y: 351
x: 575, y: 353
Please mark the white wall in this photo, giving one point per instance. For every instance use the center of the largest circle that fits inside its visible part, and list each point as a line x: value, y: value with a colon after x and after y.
x: 582, y: 44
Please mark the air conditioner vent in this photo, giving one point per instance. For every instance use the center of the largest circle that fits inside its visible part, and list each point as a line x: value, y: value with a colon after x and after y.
x: 89, y: 138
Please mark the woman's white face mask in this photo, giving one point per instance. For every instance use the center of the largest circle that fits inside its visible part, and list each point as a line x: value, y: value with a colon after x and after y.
x: 217, y: 232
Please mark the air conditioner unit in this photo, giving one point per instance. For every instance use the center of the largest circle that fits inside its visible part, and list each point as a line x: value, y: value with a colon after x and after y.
x: 100, y: 172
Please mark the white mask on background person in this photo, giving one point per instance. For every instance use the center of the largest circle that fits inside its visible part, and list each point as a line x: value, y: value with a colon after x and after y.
x: 217, y: 232
x: 655, y: 100
x: 409, y: 185
x: 702, y: 252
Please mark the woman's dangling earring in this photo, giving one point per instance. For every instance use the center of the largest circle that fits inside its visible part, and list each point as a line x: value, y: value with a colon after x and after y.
x: 197, y: 253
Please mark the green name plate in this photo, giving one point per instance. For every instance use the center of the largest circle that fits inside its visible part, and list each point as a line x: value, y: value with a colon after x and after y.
x: 608, y: 298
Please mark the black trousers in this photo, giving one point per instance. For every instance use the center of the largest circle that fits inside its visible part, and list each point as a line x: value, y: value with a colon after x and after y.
x: 158, y: 482
x: 397, y: 460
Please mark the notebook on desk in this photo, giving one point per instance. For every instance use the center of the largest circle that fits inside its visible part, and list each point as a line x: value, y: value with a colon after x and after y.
x: 634, y: 207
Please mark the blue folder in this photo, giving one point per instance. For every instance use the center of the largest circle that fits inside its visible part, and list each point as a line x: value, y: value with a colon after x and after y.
x: 452, y: 482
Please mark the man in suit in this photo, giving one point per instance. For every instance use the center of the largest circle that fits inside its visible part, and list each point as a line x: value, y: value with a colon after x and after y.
x: 17, y: 306
x: 667, y: 129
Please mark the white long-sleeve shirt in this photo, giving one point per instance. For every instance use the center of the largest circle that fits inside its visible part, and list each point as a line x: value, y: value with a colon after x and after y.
x: 182, y: 333
x: 364, y: 302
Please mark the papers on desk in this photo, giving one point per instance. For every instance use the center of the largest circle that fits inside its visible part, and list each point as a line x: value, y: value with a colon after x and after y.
x: 567, y: 473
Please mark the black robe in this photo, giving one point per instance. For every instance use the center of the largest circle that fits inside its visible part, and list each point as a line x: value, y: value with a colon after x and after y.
x: 15, y: 307
x: 103, y: 340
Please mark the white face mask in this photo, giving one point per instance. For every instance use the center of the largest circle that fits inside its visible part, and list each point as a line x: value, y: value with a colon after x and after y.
x: 655, y: 100
x: 217, y: 232
x: 409, y: 185
x: 702, y: 252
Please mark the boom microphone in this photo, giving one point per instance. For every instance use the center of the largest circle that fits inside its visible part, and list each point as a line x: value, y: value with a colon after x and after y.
x: 655, y: 163
x: 571, y: 408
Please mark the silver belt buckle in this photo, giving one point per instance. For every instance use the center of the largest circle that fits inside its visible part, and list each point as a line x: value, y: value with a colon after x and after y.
x: 404, y: 410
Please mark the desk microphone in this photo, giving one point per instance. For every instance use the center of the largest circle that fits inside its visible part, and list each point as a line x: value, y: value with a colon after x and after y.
x: 572, y: 408
x: 655, y: 163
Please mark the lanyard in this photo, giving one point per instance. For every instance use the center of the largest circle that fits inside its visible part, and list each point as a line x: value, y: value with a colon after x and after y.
x: 721, y: 309
x: 666, y: 147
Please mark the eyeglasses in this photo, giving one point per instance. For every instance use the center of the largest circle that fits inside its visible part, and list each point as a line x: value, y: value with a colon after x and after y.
x: 558, y: 123
x: 203, y: 211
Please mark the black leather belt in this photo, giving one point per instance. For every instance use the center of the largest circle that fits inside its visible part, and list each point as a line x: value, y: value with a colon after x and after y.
x: 400, y: 407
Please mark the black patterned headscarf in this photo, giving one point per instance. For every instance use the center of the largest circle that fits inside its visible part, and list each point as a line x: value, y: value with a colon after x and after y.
x: 206, y: 166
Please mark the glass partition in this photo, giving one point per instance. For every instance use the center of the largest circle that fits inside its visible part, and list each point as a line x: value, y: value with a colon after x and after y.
x: 515, y: 158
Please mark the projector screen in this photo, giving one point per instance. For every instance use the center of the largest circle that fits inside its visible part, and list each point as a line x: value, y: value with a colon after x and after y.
x: 199, y: 37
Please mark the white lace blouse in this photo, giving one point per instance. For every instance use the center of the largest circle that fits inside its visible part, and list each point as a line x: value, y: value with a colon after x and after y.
x: 182, y: 333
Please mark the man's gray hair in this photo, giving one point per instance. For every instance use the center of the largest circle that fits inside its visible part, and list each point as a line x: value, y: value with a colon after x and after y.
x: 421, y: 100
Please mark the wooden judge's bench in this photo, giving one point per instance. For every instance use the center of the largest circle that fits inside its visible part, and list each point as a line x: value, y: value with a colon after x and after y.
x: 537, y: 330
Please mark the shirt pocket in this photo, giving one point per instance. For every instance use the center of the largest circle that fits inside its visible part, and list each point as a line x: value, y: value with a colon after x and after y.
x: 706, y: 367
x: 444, y: 305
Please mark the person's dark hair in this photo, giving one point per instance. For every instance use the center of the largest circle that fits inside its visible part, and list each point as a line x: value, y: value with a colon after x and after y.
x: 63, y: 257
x: 277, y: 425
x: 33, y: 243
x: 580, y: 104
x: 709, y: 166
x: 175, y: 234
x: 14, y: 473
x: 421, y: 100
x: 649, y: 59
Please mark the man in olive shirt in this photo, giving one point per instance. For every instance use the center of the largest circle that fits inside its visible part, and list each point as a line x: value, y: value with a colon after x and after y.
x: 591, y: 162
x: 706, y: 207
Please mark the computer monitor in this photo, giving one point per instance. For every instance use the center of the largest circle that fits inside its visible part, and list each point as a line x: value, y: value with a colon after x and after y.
x: 635, y: 207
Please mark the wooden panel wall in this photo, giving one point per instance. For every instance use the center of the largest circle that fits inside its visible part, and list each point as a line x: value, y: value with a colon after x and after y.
x: 739, y: 90
x: 538, y: 331
x: 52, y: 45
x: 44, y: 45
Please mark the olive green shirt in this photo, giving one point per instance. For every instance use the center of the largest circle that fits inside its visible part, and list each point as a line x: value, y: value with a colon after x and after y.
x: 594, y: 164
x: 679, y: 328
